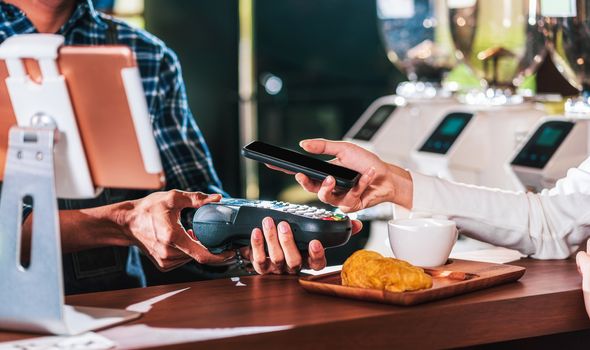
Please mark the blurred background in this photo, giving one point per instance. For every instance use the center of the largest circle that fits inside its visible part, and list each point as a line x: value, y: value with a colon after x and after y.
x: 280, y: 71
x: 317, y: 65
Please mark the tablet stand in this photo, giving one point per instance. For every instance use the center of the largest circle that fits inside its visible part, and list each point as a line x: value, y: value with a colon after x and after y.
x: 45, y: 143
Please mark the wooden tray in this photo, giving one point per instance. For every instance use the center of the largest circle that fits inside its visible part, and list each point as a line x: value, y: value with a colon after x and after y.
x: 456, y: 277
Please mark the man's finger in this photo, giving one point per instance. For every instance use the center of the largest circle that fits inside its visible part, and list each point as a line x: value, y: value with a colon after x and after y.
x: 169, y: 253
x: 290, y: 250
x: 258, y: 258
x: 198, y: 199
x: 317, y: 256
x: 357, y: 226
x: 177, y: 199
x: 176, y: 264
x: 166, y: 266
x: 272, y: 242
x: 246, y: 253
x: 198, y: 251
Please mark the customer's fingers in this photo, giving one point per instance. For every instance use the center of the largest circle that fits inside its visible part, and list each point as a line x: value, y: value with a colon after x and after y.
x: 353, y: 199
x: 325, y: 193
x: 362, y: 185
x: 308, y: 184
x: 279, y: 169
x: 322, y: 146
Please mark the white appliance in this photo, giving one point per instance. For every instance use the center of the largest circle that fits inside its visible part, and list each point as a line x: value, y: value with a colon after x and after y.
x: 554, y: 146
x: 559, y: 143
x: 392, y: 125
x: 472, y: 145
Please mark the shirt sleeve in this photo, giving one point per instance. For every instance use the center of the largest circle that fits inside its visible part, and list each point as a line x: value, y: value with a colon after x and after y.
x: 185, y: 156
x: 548, y: 225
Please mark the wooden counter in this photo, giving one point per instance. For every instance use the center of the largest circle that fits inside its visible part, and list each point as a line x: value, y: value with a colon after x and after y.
x: 547, y: 300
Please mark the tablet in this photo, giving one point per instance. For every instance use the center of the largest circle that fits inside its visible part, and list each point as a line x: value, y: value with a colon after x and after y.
x: 94, y: 76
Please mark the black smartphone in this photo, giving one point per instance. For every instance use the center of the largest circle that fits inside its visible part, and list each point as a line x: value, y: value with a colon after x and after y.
x: 287, y: 159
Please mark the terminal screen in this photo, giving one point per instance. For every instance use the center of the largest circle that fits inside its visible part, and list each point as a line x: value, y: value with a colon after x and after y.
x: 549, y: 136
x: 375, y: 121
x: 446, y: 133
x: 537, y: 152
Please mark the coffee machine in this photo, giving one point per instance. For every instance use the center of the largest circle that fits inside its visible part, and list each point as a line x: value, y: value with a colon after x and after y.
x: 501, y: 43
x: 559, y: 143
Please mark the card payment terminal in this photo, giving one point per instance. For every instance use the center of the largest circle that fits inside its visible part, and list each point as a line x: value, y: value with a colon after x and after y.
x: 228, y: 224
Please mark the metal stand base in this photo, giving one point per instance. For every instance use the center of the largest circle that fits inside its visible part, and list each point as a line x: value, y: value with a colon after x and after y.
x: 33, y: 296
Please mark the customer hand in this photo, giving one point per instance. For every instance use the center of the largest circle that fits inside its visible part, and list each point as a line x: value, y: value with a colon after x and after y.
x: 380, y: 181
x: 283, y: 255
x: 153, y: 224
x: 583, y: 262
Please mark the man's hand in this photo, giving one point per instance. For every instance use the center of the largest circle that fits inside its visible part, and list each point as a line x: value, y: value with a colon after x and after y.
x: 283, y: 255
x: 380, y: 182
x: 153, y: 223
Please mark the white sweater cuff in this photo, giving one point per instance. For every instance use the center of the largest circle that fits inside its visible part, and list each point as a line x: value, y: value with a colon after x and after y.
x: 423, y: 197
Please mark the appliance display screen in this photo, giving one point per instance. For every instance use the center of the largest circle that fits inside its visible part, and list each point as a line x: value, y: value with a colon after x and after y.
x: 446, y: 133
x: 375, y: 121
x: 539, y: 149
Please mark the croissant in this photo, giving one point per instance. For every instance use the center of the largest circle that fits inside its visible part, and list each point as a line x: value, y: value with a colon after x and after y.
x: 368, y: 269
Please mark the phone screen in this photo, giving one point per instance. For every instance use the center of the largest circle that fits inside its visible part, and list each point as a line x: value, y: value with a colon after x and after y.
x: 302, y: 160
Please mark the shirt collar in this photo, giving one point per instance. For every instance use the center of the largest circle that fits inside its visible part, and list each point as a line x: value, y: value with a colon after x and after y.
x: 83, y: 9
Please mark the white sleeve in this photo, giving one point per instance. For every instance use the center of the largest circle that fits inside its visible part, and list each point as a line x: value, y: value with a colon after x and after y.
x: 548, y: 225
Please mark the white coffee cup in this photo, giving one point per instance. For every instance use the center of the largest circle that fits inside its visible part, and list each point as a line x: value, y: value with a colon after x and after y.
x: 425, y: 242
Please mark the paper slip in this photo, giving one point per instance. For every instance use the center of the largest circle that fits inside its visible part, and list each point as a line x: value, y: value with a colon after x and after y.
x: 496, y: 255
x: 140, y: 335
x: 327, y: 269
x: 86, y: 341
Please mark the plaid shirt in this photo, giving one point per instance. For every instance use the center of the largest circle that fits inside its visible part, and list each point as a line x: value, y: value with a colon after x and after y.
x: 185, y: 155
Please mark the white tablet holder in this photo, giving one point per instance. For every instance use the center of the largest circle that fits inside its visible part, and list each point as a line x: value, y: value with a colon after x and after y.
x: 45, y: 160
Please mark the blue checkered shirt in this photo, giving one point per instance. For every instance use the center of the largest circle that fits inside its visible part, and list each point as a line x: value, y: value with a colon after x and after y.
x: 185, y: 156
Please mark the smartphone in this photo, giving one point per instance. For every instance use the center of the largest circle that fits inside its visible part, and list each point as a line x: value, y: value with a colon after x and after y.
x: 287, y: 159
